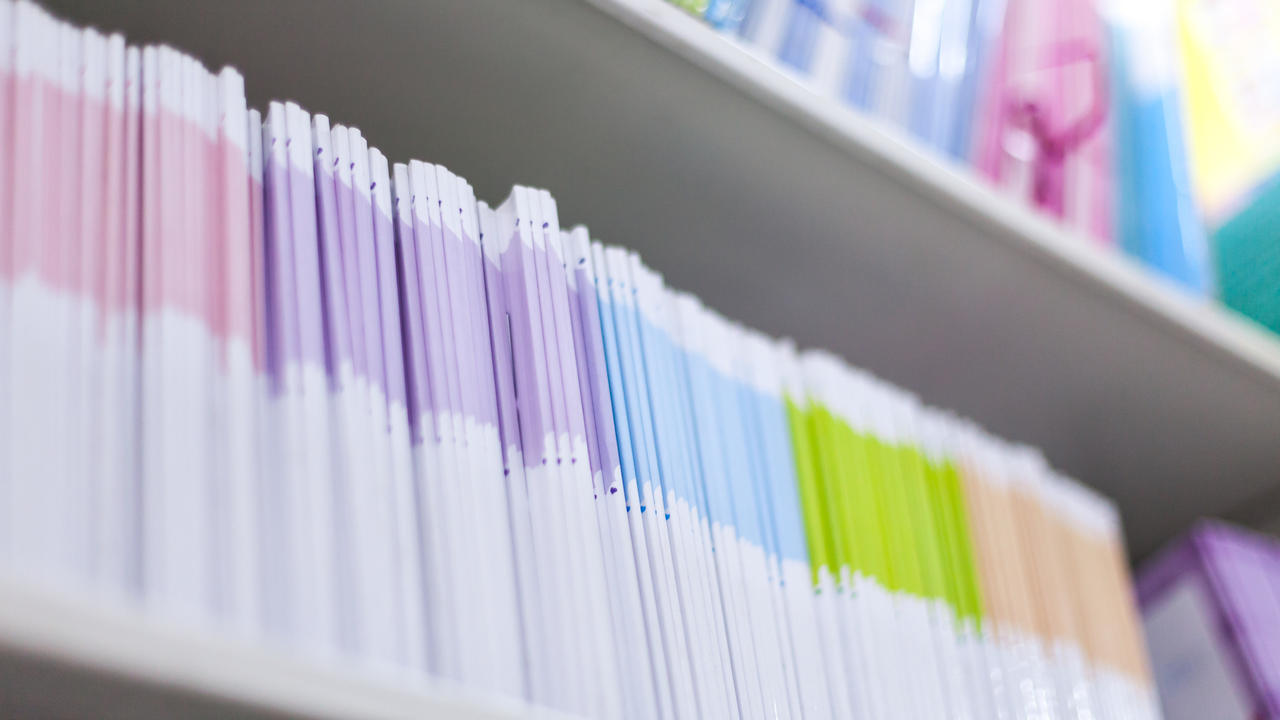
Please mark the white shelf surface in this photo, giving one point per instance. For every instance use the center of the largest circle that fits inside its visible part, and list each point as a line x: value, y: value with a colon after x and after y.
x: 790, y: 213
x: 64, y: 656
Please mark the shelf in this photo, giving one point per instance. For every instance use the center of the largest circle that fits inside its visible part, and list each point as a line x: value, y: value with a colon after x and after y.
x: 62, y: 656
x: 790, y: 213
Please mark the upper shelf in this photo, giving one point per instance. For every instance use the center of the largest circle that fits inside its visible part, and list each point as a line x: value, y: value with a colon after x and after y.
x: 791, y: 213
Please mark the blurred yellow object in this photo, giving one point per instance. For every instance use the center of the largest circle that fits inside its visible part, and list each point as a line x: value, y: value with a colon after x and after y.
x: 1231, y: 90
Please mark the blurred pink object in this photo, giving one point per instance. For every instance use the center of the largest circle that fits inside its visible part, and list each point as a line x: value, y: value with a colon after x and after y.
x: 1044, y: 133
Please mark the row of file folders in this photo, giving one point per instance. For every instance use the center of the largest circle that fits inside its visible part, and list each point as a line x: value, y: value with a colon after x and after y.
x: 258, y: 378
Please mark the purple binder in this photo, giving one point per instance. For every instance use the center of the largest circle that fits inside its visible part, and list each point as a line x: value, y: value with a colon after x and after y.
x: 1211, y: 606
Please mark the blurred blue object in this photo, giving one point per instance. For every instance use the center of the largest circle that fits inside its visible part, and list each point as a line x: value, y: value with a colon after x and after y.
x: 1157, y: 218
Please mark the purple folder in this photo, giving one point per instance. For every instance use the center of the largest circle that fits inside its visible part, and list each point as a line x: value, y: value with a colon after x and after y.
x: 1211, y: 606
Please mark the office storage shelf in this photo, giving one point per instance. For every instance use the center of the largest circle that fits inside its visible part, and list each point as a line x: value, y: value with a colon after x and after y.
x: 792, y: 213
x: 66, y: 655
x: 782, y: 208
